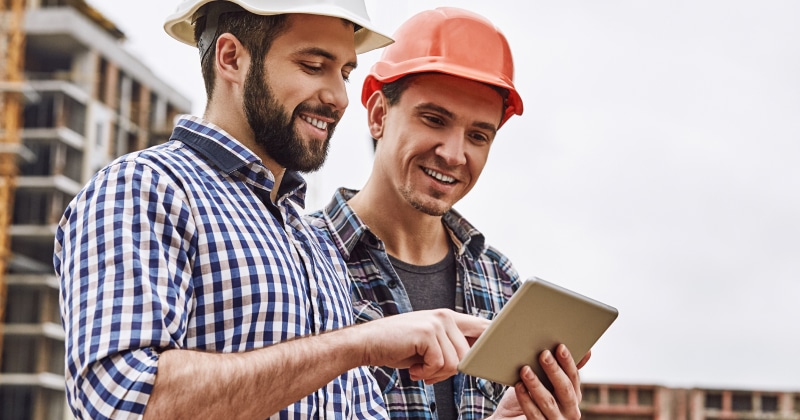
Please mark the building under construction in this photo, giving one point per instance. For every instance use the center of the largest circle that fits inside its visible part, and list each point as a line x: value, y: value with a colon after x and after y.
x: 71, y: 99
x: 653, y: 402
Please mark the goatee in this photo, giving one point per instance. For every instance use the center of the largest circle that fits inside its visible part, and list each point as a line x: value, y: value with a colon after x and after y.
x: 274, y: 128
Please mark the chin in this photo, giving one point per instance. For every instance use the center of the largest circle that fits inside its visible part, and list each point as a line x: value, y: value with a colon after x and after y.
x: 432, y: 209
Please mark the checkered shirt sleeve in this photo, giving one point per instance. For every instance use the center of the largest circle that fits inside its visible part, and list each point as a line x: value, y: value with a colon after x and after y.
x: 163, y: 249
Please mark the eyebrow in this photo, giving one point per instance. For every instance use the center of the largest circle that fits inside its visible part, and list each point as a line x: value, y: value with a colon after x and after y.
x: 324, y: 54
x: 428, y: 106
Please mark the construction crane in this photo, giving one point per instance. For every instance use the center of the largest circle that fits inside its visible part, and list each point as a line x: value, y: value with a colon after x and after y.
x: 12, y: 54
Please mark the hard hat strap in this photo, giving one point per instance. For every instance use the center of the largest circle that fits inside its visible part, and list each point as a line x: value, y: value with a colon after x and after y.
x: 213, y: 12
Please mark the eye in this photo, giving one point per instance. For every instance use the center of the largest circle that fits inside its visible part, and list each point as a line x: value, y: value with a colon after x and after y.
x: 479, y: 137
x: 311, y: 68
x: 433, y: 120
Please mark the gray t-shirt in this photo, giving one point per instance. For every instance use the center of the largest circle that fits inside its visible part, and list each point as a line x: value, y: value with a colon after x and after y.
x: 432, y: 287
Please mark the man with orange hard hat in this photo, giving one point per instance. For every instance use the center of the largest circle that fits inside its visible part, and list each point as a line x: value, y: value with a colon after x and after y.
x: 435, y: 101
x: 191, y: 286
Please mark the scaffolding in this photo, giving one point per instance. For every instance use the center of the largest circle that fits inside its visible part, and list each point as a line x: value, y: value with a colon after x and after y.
x: 12, y: 54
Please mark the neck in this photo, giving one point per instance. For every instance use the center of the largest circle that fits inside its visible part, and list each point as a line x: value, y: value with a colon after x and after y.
x: 236, y: 124
x: 408, y: 234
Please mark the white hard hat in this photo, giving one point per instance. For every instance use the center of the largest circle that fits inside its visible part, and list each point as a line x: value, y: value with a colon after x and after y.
x: 179, y: 24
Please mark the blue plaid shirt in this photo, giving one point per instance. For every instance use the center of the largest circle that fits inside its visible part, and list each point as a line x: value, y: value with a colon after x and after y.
x: 179, y: 246
x: 485, y: 281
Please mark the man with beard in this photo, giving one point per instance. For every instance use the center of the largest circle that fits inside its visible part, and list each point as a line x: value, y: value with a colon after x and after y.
x: 435, y: 101
x: 190, y: 284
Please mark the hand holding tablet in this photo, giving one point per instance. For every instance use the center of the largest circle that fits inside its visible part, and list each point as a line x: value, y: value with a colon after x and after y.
x: 538, y: 317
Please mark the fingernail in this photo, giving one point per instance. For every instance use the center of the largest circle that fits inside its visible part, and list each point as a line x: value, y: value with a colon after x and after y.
x: 563, y: 351
x: 548, y: 357
x: 528, y: 373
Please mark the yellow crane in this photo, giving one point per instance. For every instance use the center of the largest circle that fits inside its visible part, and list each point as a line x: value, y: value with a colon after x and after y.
x: 12, y: 55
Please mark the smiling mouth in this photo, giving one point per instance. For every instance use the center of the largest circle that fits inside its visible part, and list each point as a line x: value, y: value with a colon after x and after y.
x: 322, y: 125
x: 439, y: 176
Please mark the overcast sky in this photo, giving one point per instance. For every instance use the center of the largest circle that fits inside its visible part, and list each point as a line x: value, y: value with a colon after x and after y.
x: 656, y: 168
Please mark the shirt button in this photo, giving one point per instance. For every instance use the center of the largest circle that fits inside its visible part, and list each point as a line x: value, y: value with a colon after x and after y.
x: 433, y: 407
x: 392, y: 284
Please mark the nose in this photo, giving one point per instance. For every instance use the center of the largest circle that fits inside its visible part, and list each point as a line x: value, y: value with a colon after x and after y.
x: 335, y: 94
x: 451, y: 148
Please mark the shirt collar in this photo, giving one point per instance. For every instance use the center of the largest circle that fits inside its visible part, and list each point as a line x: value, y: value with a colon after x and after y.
x: 464, y: 234
x: 228, y: 155
x: 347, y: 228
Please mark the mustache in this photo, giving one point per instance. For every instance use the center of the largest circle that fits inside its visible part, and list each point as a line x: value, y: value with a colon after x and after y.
x: 322, y: 110
x: 439, y: 163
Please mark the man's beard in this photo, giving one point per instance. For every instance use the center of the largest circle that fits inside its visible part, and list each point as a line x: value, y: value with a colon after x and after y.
x: 274, y: 130
x: 431, y: 210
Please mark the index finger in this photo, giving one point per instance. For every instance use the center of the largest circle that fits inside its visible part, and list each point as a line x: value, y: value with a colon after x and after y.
x: 471, y: 326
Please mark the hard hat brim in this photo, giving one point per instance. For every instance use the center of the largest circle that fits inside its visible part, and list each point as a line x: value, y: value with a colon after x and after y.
x: 367, y: 38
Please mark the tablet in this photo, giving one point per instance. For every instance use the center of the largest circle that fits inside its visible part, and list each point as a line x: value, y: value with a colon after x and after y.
x: 538, y: 317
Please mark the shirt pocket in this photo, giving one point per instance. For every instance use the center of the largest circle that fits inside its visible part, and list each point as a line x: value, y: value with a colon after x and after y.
x: 366, y: 310
x: 482, y: 313
x: 386, y: 377
x: 490, y: 390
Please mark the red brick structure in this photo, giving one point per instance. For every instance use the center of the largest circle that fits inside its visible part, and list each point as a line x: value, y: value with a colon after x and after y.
x: 646, y: 402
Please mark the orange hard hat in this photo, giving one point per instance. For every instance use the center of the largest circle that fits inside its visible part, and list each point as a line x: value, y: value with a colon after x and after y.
x: 452, y: 41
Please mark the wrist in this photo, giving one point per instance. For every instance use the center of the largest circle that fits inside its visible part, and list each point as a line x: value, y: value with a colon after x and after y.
x: 350, y: 345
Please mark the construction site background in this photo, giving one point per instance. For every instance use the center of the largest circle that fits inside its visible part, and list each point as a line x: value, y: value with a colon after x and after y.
x: 72, y: 99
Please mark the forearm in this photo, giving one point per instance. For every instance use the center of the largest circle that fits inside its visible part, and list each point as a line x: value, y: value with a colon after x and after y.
x: 255, y: 384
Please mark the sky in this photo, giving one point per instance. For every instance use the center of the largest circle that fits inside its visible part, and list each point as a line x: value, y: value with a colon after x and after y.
x: 656, y: 168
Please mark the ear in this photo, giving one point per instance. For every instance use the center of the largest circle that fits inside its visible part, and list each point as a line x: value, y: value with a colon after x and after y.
x: 231, y: 60
x: 376, y: 113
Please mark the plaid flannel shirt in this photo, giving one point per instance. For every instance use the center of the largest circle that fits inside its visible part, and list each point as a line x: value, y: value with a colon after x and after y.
x: 486, y: 280
x: 179, y: 246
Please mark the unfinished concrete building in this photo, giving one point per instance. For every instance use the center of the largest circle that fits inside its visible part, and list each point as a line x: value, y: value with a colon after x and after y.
x: 652, y: 402
x: 84, y: 100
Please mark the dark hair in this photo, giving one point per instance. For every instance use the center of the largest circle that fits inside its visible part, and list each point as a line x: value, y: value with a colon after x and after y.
x: 255, y: 32
x: 394, y: 89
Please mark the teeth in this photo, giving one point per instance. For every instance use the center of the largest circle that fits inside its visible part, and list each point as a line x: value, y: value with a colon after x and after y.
x: 440, y: 177
x: 322, y: 125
